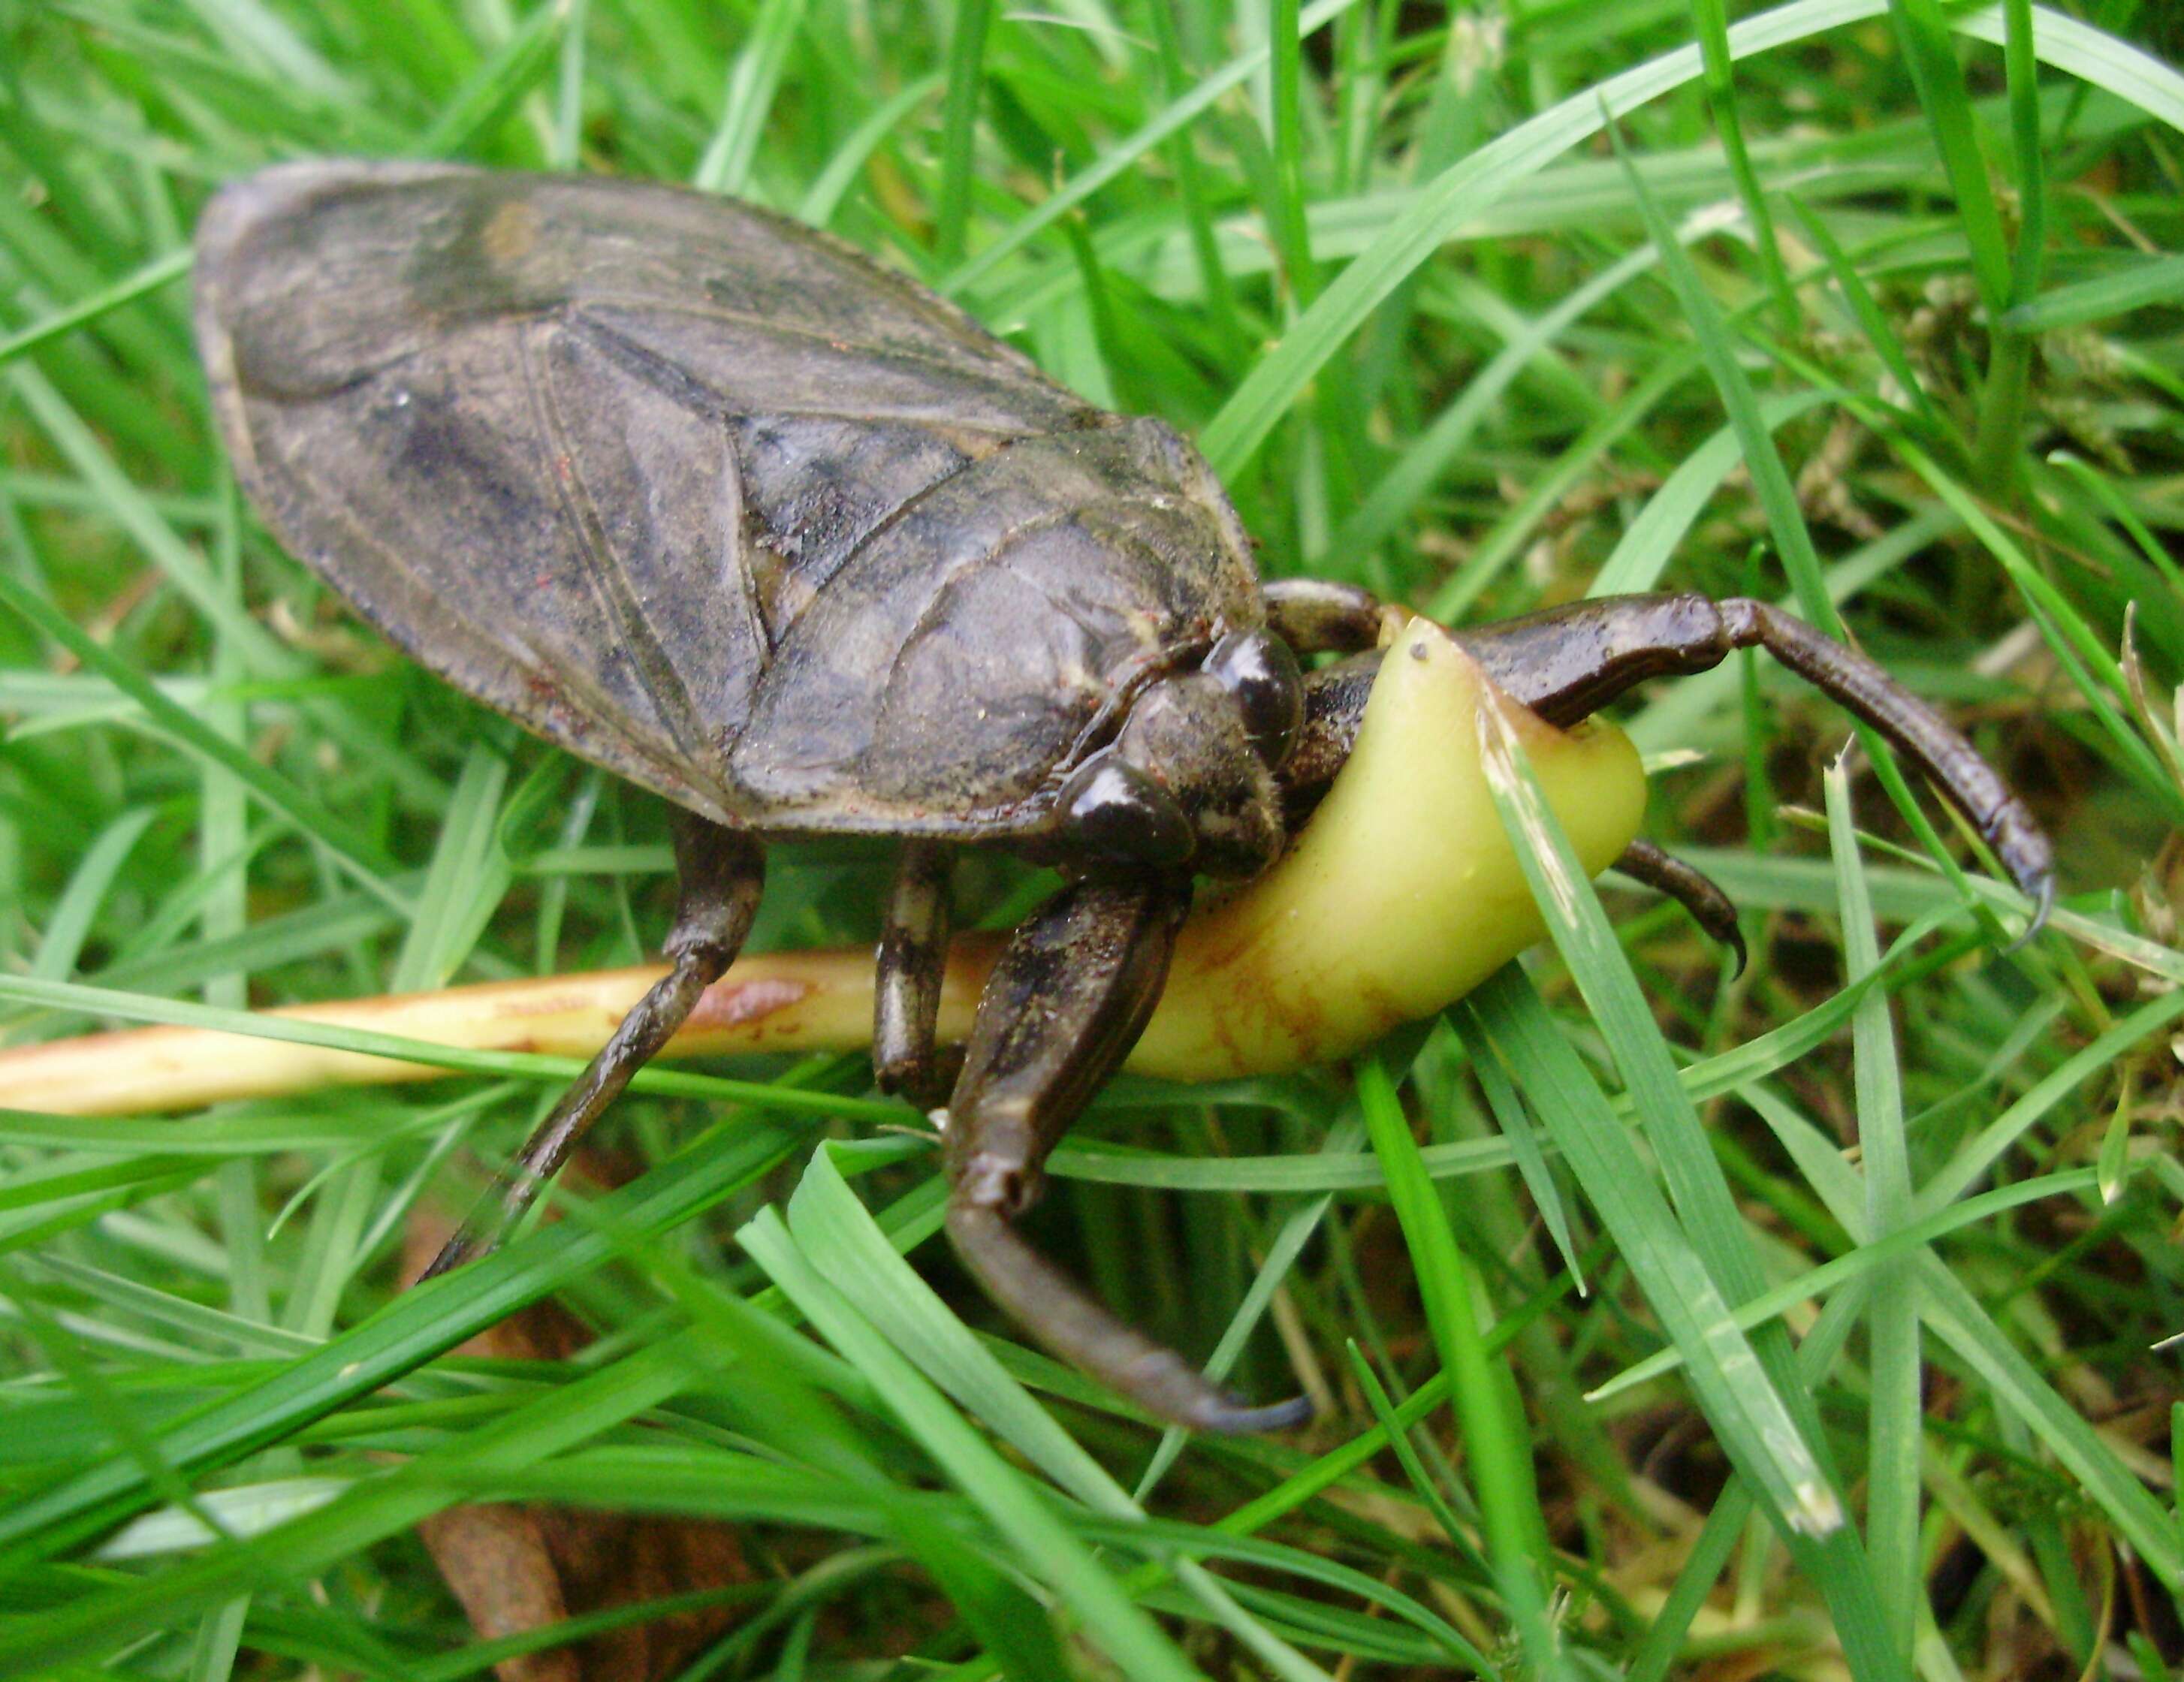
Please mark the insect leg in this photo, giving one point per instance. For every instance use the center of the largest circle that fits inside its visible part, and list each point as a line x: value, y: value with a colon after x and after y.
x: 913, y: 956
x: 1334, y: 700
x: 1567, y: 661
x: 1063, y: 1006
x: 1335, y: 707
x: 1713, y: 911
x: 722, y: 872
x: 1314, y: 616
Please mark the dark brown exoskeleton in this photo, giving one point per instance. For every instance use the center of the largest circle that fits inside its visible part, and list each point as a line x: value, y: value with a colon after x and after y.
x: 718, y: 504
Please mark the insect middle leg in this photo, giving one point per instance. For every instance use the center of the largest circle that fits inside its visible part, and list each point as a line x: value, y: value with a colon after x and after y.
x: 1063, y: 1006
x: 722, y: 872
x: 913, y: 959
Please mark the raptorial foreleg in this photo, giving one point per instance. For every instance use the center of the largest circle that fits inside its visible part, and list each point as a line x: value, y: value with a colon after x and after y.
x: 1064, y: 1005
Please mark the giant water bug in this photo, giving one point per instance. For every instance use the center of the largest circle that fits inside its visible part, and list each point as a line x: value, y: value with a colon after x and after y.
x: 719, y: 504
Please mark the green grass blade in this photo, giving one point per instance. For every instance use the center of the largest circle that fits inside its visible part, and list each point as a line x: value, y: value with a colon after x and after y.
x: 1731, y: 1510
x: 1712, y: 19
x: 66, y: 930
x: 1459, y: 194
x: 1859, y: 1269
x: 959, y: 121
x: 1286, y: 214
x: 1767, y: 1425
x: 1405, y: 484
x: 1770, y: 479
x: 147, y: 280
x: 828, y: 189
x: 1651, y: 541
x: 2135, y: 284
x: 409, y: 1332
x: 1119, y: 1628
x: 832, y: 1227
x: 1958, y: 1321
x: 364, y: 860
x: 1497, y: 1445
x: 469, y: 873
x: 499, y: 85
x: 1923, y: 34
x: 1894, y: 1436
x: 745, y: 108
x: 2094, y: 55
x: 1753, y: 1417
x: 1116, y: 159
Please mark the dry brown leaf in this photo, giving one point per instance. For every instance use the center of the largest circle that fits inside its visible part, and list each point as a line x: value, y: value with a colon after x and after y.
x: 515, y: 1569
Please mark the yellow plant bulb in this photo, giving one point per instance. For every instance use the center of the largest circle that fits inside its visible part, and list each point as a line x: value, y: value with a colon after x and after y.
x: 1401, y: 895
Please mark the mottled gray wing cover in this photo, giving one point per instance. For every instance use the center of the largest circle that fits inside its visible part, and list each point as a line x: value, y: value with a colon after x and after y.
x: 703, y: 496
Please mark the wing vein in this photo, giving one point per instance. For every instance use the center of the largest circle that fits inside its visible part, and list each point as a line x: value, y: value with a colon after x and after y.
x: 611, y: 585
x: 1007, y: 372
x: 671, y: 378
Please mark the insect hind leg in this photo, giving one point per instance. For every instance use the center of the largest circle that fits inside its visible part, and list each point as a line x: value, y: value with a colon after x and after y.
x: 1058, y: 1312
x: 722, y: 872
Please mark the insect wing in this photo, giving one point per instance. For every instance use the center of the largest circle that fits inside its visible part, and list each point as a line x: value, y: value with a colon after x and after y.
x: 974, y: 647
x: 588, y: 448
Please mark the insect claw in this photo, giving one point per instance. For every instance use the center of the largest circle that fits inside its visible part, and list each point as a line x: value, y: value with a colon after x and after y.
x: 1056, y: 1309
x: 1698, y: 894
x: 490, y: 1222
x: 2041, y: 889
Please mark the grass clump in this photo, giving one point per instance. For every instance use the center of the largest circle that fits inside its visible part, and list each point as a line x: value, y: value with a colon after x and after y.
x: 1801, y: 1322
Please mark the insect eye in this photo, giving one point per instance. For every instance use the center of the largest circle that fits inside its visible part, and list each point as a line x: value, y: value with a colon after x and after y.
x: 1261, y: 673
x: 1118, y: 812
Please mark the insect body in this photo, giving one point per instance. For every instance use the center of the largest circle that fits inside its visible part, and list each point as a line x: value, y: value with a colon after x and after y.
x: 716, y: 502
